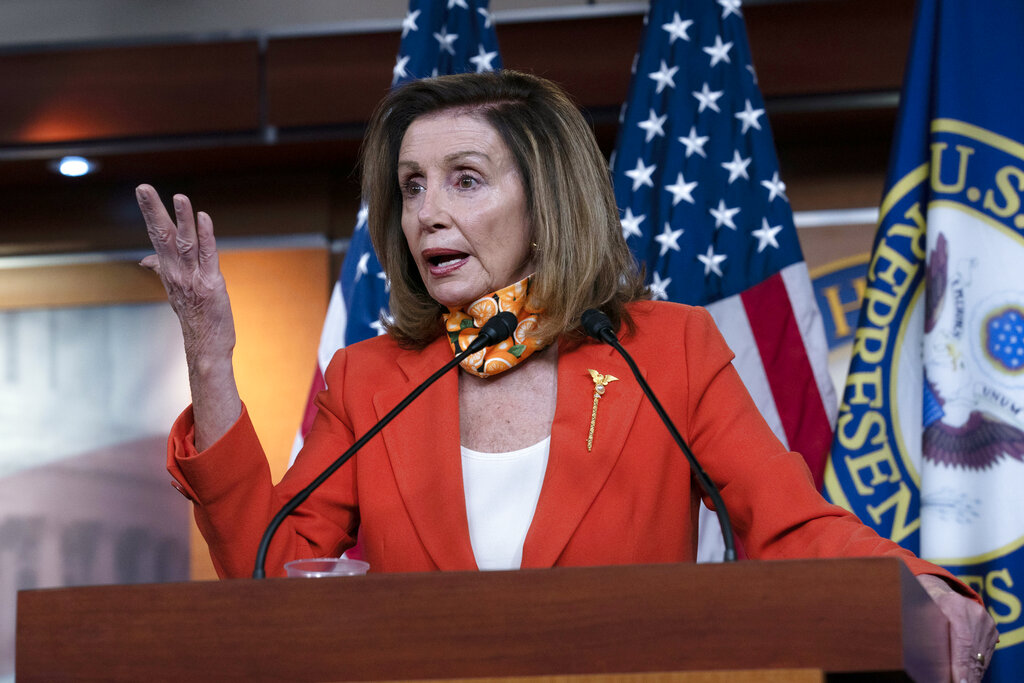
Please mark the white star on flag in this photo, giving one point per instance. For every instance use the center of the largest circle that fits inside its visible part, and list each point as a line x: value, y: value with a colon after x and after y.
x: 409, y: 23
x: 486, y: 15
x: 362, y: 215
x: 457, y: 3
x: 766, y: 235
x: 737, y: 168
x: 711, y: 260
x: 663, y: 77
x: 677, y: 28
x: 399, y: 69
x: 668, y: 239
x: 483, y: 60
x: 631, y: 224
x: 749, y: 117
x: 659, y: 287
x: 362, y: 268
x: 719, y: 51
x: 446, y: 40
x: 681, y: 190
x: 695, y: 143
x: 730, y: 7
x: 641, y: 175
x: 707, y: 98
x: 776, y: 188
x: 653, y: 126
x: 723, y: 215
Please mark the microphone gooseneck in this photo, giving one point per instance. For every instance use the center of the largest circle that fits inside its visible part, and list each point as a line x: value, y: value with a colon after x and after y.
x: 597, y: 325
x: 499, y: 328
x: 496, y: 330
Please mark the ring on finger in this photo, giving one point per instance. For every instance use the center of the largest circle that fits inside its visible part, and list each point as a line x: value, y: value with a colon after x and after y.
x: 980, y: 658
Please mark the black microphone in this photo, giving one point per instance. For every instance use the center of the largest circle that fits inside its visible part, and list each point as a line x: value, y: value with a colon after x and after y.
x: 597, y: 325
x: 496, y: 330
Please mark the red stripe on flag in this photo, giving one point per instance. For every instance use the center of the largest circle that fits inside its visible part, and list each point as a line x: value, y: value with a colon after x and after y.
x: 315, y: 388
x: 789, y: 372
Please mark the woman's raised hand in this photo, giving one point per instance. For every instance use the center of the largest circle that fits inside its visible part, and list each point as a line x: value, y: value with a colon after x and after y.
x: 186, y: 261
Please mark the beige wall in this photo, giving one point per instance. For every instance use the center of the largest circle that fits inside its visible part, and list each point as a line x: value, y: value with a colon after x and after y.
x: 279, y: 298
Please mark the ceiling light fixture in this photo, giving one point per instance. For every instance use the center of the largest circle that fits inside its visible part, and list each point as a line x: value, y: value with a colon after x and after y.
x: 73, y: 166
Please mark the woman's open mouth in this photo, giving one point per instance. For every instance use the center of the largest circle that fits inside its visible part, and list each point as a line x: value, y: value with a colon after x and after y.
x: 443, y: 261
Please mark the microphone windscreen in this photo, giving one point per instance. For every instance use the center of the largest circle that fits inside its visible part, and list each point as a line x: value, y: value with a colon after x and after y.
x: 499, y: 328
x: 596, y: 324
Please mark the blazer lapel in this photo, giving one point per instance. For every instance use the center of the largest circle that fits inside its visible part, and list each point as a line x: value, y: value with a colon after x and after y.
x: 423, y: 446
x: 575, y: 476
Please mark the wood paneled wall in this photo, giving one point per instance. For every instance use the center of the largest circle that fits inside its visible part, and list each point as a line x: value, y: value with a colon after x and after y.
x: 237, y: 120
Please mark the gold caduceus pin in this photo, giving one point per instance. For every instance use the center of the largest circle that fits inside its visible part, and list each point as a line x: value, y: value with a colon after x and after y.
x: 600, y: 382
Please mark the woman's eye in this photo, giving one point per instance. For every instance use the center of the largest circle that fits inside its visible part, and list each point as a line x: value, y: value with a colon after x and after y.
x: 467, y: 182
x: 411, y: 188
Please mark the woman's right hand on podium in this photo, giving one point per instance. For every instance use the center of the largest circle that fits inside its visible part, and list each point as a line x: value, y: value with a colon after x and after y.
x: 188, y: 265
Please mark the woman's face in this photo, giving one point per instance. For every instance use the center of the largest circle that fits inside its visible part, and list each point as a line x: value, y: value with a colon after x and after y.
x: 463, y: 208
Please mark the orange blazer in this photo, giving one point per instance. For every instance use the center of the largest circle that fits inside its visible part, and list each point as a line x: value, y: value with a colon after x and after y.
x: 631, y: 499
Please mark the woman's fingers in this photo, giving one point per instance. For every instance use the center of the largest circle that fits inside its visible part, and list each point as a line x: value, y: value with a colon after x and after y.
x: 161, y: 229
x: 187, y: 263
x: 972, y: 632
x: 176, y: 241
x: 152, y: 262
x: 209, y: 262
x: 185, y: 239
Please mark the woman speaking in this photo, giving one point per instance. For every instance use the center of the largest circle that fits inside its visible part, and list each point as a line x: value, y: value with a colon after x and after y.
x: 487, y: 193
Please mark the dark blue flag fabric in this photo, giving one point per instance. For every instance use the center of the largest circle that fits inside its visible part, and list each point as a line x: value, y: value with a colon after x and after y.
x: 704, y: 209
x: 438, y: 37
x: 929, y: 446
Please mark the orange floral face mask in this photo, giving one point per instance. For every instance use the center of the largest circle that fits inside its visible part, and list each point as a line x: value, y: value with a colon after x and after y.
x: 463, y: 326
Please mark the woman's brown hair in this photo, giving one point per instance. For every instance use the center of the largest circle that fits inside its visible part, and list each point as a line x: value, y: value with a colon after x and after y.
x: 581, y: 258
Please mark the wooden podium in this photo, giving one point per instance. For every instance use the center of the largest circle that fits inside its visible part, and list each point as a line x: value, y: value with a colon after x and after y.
x: 846, y: 618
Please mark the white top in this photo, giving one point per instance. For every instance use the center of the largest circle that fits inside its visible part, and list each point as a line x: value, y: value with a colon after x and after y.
x: 501, y: 496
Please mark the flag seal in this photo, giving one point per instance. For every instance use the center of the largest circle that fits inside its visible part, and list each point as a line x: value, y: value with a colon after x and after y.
x: 941, y: 314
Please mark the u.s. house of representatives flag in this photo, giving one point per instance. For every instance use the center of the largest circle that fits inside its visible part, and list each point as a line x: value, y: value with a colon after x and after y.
x: 929, y: 446
x: 704, y: 209
x: 438, y: 37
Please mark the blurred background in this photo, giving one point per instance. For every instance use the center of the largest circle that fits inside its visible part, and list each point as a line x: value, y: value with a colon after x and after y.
x: 255, y: 109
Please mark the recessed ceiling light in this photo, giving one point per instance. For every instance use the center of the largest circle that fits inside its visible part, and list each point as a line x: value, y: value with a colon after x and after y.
x: 75, y: 166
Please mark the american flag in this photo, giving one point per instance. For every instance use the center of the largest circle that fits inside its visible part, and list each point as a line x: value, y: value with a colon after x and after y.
x: 438, y: 37
x: 704, y: 209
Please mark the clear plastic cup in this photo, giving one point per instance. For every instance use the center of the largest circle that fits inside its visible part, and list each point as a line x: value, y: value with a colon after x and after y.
x: 318, y: 567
